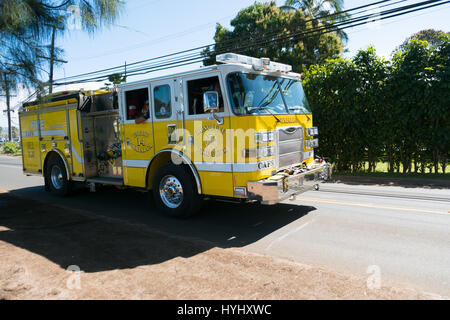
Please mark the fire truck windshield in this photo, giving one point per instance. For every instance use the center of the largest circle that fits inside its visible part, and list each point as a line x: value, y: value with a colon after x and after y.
x: 253, y: 94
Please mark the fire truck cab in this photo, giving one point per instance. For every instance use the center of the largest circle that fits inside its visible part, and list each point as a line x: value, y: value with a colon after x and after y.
x: 241, y: 129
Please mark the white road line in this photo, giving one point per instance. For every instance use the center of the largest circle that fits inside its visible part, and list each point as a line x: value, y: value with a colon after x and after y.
x: 10, y: 166
x: 281, y: 238
x: 391, y: 195
x: 370, y: 205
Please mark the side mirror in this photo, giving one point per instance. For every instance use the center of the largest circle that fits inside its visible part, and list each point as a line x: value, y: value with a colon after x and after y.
x: 211, y: 101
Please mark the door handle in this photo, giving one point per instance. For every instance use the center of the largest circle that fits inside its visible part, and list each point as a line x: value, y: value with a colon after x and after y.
x: 219, y: 120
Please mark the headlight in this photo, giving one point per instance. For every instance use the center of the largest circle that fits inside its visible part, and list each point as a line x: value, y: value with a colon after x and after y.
x: 313, y: 131
x: 263, y: 152
x: 266, y: 152
x: 261, y: 137
x: 311, y: 144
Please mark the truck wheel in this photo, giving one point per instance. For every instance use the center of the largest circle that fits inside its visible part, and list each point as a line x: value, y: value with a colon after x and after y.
x: 175, y: 191
x: 56, y: 177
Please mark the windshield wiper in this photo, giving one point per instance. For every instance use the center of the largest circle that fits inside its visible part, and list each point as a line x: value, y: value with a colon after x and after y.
x: 268, y: 109
x: 300, y: 108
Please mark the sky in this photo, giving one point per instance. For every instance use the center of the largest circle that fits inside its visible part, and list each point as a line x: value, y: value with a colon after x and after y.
x: 151, y: 28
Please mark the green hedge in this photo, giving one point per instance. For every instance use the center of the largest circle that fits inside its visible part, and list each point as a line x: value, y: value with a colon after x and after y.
x: 12, y: 148
x: 369, y: 109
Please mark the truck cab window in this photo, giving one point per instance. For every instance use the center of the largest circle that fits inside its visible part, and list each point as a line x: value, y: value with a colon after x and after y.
x: 135, y: 101
x: 196, y: 89
x: 163, y: 105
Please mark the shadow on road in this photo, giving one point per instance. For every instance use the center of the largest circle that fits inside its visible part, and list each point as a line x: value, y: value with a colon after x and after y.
x: 69, y: 231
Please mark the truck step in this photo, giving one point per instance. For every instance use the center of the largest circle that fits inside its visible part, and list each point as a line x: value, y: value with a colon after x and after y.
x: 105, y: 180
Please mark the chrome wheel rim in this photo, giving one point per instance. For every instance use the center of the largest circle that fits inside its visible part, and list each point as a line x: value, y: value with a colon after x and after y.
x: 57, y: 178
x: 171, y: 191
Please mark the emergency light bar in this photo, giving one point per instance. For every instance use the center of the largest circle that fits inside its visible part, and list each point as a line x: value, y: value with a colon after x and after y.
x: 256, y: 63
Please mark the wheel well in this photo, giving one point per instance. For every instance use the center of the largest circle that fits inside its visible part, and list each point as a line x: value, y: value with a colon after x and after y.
x: 53, y: 154
x: 163, y: 158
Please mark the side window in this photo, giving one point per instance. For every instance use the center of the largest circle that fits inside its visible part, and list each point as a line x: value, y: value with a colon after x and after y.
x: 135, y: 102
x: 196, y: 89
x: 163, y: 105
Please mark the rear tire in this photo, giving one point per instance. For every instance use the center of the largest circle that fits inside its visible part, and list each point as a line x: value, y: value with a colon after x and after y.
x: 175, y: 191
x: 56, y: 177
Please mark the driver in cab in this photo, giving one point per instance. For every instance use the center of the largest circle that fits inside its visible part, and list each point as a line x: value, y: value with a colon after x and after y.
x: 144, y: 114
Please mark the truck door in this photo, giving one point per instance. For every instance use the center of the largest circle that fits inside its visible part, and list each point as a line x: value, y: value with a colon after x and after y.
x: 137, y: 133
x: 164, y: 113
x: 207, y: 140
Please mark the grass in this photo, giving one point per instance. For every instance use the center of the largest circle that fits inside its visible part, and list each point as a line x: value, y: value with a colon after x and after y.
x: 381, y: 170
x: 393, y: 175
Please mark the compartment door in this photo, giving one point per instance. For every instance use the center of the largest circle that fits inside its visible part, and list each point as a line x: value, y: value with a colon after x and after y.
x: 137, y: 134
x: 29, y: 130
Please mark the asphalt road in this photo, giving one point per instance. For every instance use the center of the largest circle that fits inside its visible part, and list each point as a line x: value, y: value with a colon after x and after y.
x: 404, y: 233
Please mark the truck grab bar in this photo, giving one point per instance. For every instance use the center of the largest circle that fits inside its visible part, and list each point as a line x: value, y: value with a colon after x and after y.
x: 78, y: 126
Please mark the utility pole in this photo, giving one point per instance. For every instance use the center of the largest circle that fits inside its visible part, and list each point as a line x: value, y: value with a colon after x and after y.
x: 8, y: 104
x: 8, y: 107
x: 52, y: 58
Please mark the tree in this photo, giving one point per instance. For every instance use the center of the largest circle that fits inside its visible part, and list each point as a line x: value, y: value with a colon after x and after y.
x: 317, y: 8
x: 372, y: 73
x: 439, y: 102
x: 264, y: 30
x: 345, y: 96
x: 15, y: 132
x: 116, y: 79
x: 321, y: 8
x: 27, y: 26
x: 369, y: 109
x: 409, y: 85
x: 430, y: 35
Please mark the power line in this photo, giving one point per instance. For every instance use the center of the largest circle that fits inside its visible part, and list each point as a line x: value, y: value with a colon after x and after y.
x: 233, y: 40
x: 198, y: 57
x: 195, y: 28
x: 400, y: 20
x: 118, y: 68
x: 350, y: 24
x: 154, y: 41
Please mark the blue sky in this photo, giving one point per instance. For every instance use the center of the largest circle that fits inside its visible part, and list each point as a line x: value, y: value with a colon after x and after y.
x: 150, y: 28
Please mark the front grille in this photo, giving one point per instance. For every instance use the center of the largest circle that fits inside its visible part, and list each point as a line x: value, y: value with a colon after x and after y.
x: 290, y: 146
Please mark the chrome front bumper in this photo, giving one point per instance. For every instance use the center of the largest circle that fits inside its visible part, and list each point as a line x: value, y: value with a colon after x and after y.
x: 283, y: 186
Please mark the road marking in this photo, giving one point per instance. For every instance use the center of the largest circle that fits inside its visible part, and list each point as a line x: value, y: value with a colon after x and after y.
x: 368, y: 205
x: 391, y: 195
x: 10, y: 166
x: 281, y: 238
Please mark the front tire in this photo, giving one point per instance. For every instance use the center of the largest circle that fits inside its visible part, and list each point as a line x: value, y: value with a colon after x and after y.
x: 175, y: 191
x: 56, y: 177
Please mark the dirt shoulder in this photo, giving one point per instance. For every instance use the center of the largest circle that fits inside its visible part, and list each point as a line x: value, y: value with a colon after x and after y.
x: 120, y: 260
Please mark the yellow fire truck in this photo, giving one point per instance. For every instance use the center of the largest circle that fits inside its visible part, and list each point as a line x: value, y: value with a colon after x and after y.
x: 241, y: 129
